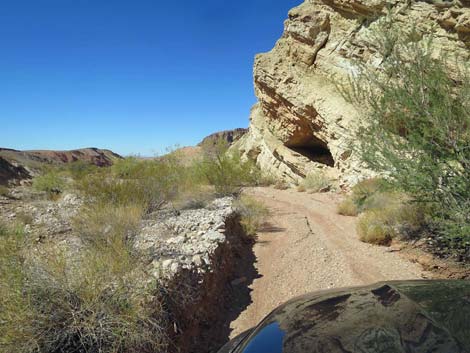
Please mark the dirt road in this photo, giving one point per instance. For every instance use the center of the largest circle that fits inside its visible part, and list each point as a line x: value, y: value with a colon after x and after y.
x: 306, y: 246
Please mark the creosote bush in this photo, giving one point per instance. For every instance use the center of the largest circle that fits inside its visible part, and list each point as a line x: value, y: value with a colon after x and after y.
x: 99, y: 302
x: 417, y: 126
x: 51, y: 183
x: 227, y: 171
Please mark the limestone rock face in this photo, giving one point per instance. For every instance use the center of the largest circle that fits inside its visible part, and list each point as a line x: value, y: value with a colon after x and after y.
x: 301, y: 121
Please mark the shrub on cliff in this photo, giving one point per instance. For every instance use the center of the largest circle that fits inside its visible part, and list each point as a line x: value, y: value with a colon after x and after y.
x: 417, y: 126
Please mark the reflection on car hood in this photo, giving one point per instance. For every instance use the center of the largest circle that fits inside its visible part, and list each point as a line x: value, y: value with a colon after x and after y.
x: 397, y: 316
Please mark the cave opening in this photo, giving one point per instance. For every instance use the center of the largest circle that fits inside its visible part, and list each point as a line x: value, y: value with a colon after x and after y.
x: 315, y: 153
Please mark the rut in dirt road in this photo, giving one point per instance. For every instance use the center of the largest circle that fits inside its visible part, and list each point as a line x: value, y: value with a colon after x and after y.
x: 306, y: 246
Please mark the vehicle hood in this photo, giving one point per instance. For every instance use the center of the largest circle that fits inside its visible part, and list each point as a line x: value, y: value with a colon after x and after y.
x: 396, y: 316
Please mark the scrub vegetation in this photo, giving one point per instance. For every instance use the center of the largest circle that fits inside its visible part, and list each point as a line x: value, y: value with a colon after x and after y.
x: 416, y: 131
x: 98, y: 298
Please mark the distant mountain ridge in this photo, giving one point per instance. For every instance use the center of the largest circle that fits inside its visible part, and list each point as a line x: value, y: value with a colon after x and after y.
x: 17, y: 165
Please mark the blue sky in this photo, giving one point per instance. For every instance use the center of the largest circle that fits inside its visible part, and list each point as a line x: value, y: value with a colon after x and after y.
x: 132, y: 76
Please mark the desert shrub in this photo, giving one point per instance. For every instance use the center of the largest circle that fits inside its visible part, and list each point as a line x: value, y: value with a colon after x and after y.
x: 373, y: 227
x: 347, y: 207
x: 397, y: 219
x: 416, y: 128
x: 129, y: 167
x: 4, y: 191
x: 51, y: 183
x: 80, y: 169
x: 316, y: 182
x: 100, y: 224
x: 253, y: 213
x: 368, y: 194
x: 363, y: 191
x: 226, y: 170
x: 99, y: 302
x: 15, y: 310
x: 108, y: 190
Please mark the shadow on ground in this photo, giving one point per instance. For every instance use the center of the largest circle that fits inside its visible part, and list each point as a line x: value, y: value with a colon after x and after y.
x: 269, y: 228
x: 238, y: 296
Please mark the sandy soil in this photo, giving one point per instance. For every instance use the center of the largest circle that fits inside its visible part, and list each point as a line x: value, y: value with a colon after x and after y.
x: 306, y: 246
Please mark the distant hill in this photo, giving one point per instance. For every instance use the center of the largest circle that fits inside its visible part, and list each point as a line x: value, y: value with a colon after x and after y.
x: 18, y: 165
x: 229, y: 136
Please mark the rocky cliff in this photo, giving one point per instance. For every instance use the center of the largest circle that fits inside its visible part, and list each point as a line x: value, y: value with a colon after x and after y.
x: 301, y: 121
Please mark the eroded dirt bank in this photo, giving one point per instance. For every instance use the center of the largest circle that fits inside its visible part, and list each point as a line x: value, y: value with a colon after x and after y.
x: 306, y: 246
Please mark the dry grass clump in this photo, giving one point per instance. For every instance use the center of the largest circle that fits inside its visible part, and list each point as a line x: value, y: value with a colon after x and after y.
x: 102, y: 223
x: 253, y: 214
x: 316, y: 182
x: 374, y: 227
x: 385, y: 213
x: 347, y: 208
x: 399, y: 219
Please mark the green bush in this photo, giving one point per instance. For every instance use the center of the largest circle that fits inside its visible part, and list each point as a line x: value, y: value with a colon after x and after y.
x: 253, y: 214
x: 367, y: 194
x: 363, y: 192
x: 51, y: 183
x: 416, y: 129
x: 100, y: 302
x: 227, y: 171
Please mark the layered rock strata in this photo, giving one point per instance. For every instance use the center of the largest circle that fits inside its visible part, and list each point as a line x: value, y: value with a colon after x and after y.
x: 301, y: 121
